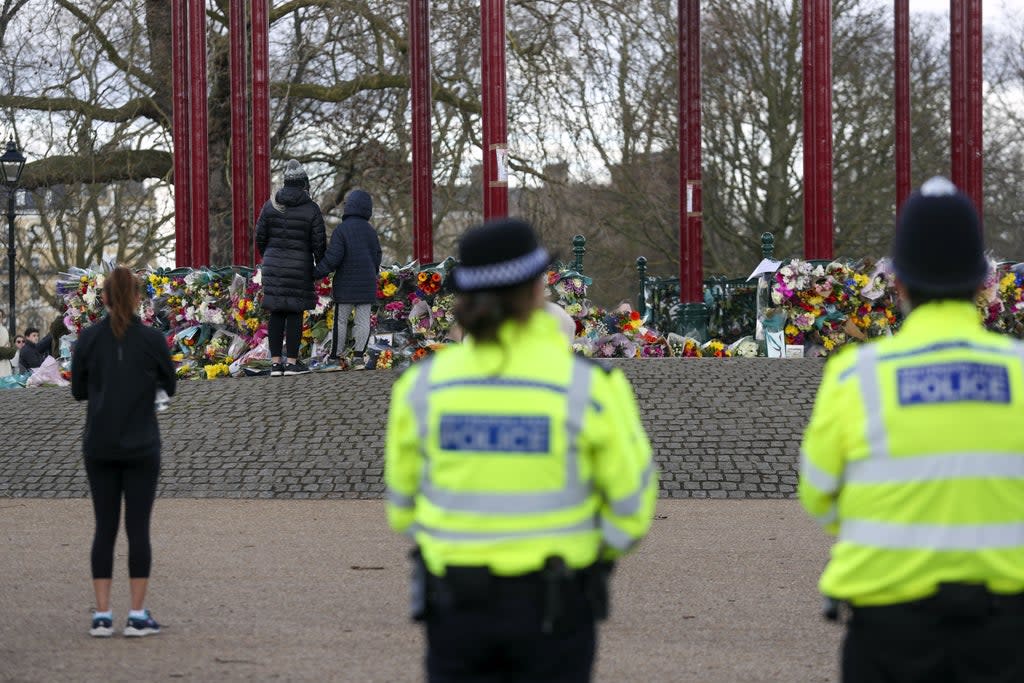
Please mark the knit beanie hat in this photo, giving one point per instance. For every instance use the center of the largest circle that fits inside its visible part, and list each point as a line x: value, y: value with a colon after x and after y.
x: 501, y: 253
x: 295, y: 174
x: 938, y: 247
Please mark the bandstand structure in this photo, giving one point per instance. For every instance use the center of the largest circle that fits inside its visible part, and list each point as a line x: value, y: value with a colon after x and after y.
x: 249, y: 59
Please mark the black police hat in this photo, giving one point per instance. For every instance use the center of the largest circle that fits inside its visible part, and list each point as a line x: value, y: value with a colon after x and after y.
x: 938, y: 247
x: 500, y: 253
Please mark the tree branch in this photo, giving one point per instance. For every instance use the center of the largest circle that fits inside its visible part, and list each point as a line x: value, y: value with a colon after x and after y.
x: 346, y: 89
x: 287, y: 8
x: 141, y: 106
x: 104, y: 167
x: 113, y: 54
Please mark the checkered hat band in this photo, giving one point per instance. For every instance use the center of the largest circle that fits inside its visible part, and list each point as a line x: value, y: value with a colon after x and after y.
x: 502, y: 274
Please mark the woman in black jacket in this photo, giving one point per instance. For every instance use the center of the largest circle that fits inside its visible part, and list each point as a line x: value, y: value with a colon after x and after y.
x: 289, y: 236
x: 118, y: 365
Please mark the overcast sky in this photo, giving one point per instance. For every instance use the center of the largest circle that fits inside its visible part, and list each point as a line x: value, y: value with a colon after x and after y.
x: 990, y: 9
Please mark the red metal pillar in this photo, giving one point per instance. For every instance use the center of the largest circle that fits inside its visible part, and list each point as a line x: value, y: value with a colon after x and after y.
x: 691, y: 245
x: 495, y: 122
x: 817, y: 57
x: 902, y: 123
x: 199, y: 154
x: 957, y: 94
x: 180, y: 135
x: 260, y: 18
x: 422, y: 164
x: 974, y: 135
x: 241, y: 241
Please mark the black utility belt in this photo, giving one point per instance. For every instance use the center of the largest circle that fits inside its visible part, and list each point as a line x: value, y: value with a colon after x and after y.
x: 458, y: 575
x: 479, y: 585
x: 958, y: 600
x: 474, y: 587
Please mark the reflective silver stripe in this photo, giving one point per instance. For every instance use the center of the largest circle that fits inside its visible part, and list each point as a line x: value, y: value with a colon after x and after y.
x: 817, y: 477
x: 830, y: 516
x: 485, y: 536
x: 502, y: 503
x: 867, y: 371
x: 576, y: 405
x: 630, y: 505
x: 572, y: 494
x: 418, y: 396
x: 418, y: 399
x: 932, y: 536
x: 616, y: 537
x: 936, y: 468
x: 400, y: 500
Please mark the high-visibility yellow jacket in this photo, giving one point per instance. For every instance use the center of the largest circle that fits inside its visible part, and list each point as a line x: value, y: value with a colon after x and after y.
x: 502, y: 455
x: 914, y: 457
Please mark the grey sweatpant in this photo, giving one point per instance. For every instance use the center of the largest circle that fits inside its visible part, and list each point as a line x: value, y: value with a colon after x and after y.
x: 360, y: 330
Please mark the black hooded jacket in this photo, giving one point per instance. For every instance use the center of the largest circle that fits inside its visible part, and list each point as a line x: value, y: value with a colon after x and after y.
x: 354, y: 254
x: 289, y: 236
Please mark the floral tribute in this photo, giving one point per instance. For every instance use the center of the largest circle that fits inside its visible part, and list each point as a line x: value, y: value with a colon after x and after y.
x: 826, y: 306
x: 1003, y: 301
x: 619, y: 333
x: 215, y: 324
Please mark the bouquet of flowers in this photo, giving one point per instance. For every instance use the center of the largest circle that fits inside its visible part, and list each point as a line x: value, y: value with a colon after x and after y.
x: 442, y: 316
x: 615, y: 345
x: 683, y: 347
x: 324, y: 296
x: 824, y: 306
x: 396, y: 282
x: 714, y: 349
x: 80, y: 289
x: 745, y: 347
x: 1009, y: 292
x: 247, y: 317
x: 428, y: 283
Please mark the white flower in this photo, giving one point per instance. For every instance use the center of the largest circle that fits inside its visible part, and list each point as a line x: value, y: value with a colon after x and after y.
x: 321, y: 305
x: 90, y: 298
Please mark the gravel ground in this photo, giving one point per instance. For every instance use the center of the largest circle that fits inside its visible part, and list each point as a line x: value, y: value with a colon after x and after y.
x: 303, y: 590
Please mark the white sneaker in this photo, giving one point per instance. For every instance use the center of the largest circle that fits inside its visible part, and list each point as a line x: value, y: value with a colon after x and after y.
x: 136, y: 628
x: 102, y: 627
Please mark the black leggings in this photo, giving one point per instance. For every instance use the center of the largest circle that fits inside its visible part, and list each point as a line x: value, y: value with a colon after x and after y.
x: 280, y: 321
x: 136, y: 480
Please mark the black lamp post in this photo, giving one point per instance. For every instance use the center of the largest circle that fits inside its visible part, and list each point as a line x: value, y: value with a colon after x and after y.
x: 11, y: 165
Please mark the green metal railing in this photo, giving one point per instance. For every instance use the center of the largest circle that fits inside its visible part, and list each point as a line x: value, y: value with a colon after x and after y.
x: 731, y: 303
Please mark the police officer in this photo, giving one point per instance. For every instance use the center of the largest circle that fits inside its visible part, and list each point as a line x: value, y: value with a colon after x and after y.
x: 914, y: 457
x: 520, y: 470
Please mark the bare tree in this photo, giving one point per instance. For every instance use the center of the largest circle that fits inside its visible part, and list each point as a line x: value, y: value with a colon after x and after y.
x: 592, y: 90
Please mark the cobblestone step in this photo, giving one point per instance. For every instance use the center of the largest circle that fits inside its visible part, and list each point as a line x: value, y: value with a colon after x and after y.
x: 720, y: 428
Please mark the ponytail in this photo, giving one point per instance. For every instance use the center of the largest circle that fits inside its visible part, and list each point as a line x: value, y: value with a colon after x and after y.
x: 482, y: 312
x: 121, y: 296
